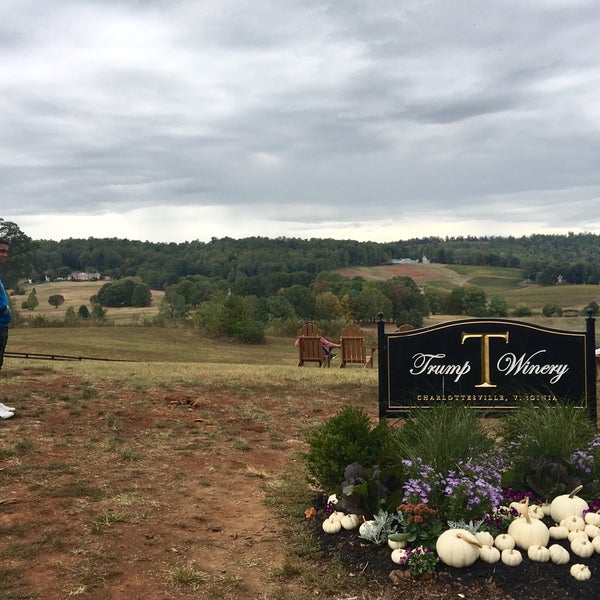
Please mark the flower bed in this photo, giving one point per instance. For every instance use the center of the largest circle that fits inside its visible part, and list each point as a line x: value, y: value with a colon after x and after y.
x: 432, y: 499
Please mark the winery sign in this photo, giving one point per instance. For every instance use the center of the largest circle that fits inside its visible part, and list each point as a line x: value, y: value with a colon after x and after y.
x: 488, y: 364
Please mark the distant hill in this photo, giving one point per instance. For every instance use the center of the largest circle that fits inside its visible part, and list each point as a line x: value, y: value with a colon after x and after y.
x: 505, y: 282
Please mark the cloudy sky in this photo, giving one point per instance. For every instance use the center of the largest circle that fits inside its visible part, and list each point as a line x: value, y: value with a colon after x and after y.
x: 175, y: 120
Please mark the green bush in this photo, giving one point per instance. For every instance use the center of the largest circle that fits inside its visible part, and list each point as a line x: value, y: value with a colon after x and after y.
x: 442, y: 436
x: 344, y: 439
x: 542, y: 442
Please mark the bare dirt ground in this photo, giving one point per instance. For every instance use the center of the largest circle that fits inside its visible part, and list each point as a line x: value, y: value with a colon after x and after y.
x: 113, y: 492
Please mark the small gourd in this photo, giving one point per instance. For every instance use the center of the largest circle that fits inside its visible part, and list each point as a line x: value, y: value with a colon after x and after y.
x: 580, y: 572
x: 332, y: 525
x: 457, y: 548
x: 577, y: 533
x: 538, y: 553
x: 367, y: 528
x: 397, y: 544
x: 568, y: 505
x: 558, y: 554
x: 504, y: 541
x: 337, y: 515
x: 592, y: 531
x: 350, y: 521
x: 489, y: 554
x: 573, y: 523
x: 536, y: 512
x: 527, y: 531
x: 485, y: 538
x: 582, y: 547
x: 399, y: 555
x: 592, y: 518
x: 545, y: 506
x: 512, y: 557
x: 596, y: 544
x: 558, y: 532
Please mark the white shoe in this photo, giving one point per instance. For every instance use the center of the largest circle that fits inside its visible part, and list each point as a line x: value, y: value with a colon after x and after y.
x: 6, y: 414
x: 4, y: 407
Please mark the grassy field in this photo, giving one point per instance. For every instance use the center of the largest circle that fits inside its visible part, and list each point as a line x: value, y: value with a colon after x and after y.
x: 78, y: 293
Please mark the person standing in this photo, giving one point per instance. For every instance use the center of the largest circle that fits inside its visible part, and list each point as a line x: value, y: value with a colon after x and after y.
x: 5, y: 411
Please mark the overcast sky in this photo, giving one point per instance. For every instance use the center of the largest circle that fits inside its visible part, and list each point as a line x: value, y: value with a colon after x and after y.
x: 381, y: 120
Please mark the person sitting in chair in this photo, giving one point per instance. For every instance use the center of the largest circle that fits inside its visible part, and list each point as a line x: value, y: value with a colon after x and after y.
x: 327, y: 347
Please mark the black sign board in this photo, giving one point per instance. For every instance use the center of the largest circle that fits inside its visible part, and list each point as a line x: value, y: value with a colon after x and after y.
x: 488, y: 364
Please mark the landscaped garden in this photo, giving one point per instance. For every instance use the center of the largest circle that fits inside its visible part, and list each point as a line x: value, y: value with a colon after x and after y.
x: 447, y: 492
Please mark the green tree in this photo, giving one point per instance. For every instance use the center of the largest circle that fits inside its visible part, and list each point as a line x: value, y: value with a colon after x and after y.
x: 83, y: 312
x: 70, y: 315
x: 328, y: 307
x: 474, y: 301
x: 594, y: 307
x: 56, y: 300
x: 173, y: 306
x: 141, y: 295
x: 32, y: 300
x: 498, y: 307
x: 551, y: 309
x: 98, y: 313
x: 20, y: 254
x: 522, y: 310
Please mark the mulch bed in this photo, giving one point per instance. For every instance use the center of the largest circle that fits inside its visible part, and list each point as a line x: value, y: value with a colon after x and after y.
x: 528, y: 581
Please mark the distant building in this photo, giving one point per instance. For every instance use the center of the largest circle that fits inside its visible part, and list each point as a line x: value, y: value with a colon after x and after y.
x: 81, y: 276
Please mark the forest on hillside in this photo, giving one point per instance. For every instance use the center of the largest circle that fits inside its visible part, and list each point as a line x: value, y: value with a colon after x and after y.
x: 239, y: 287
x: 259, y: 264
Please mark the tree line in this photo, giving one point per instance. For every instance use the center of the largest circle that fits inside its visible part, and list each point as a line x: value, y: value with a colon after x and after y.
x: 239, y: 287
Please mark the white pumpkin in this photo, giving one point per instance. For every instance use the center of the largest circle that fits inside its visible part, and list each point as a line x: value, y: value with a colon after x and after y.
x: 592, y: 518
x: 396, y: 545
x: 545, y: 506
x: 367, y: 528
x: 568, y: 505
x: 582, y: 547
x: 592, y: 531
x: 489, y: 554
x: 596, y: 544
x: 580, y: 572
x: 485, y: 538
x: 399, y: 555
x: 536, y: 512
x: 558, y: 532
x: 528, y: 532
x: 558, y: 554
x: 512, y: 557
x: 504, y: 541
x: 332, y: 525
x: 457, y: 548
x: 577, y: 534
x: 573, y: 523
x: 538, y: 553
x: 350, y: 521
x: 337, y: 515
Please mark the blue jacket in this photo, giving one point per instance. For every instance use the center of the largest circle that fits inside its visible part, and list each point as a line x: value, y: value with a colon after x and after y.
x: 5, y: 316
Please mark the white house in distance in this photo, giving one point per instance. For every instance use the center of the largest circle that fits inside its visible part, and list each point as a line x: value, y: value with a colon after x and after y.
x: 81, y: 276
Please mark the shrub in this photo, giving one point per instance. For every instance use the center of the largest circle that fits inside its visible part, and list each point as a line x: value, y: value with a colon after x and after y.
x: 344, y: 439
x: 547, y: 446
x: 442, y: 436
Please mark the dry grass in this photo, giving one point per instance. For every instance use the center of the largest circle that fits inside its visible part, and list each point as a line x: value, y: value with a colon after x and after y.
x: 159, y: 465
x: 78, y: 293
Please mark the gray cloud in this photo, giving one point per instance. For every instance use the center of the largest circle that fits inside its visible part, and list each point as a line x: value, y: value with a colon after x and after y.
x: 301, y: 117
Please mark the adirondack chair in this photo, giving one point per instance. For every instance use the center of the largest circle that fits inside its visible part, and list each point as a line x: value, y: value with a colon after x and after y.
x: 310, y: 347
x: 353, y: 347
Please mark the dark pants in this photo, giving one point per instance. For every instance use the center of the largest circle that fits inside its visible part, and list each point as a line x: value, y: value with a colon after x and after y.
x: 3, y: 340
